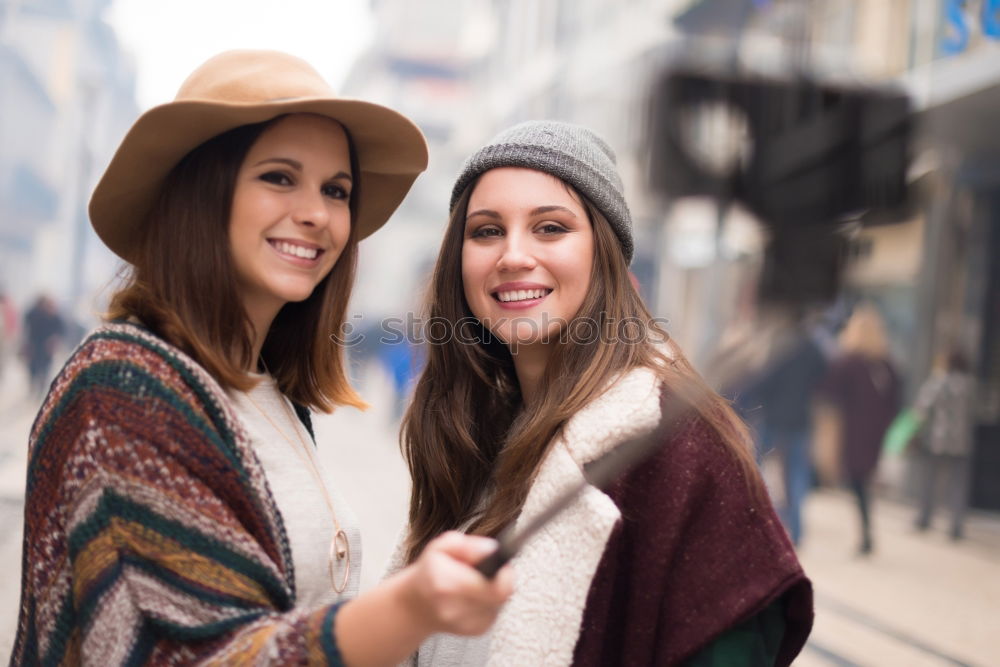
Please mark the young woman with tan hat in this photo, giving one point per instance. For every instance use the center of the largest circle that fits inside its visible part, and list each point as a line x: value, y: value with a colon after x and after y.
x: 553, y: 362
x: 175, y: 508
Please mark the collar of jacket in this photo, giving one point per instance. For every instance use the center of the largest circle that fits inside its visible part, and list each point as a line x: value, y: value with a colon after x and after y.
x: 541, y: 622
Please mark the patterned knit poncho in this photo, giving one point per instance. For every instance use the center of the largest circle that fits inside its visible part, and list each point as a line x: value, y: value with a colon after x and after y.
x: 150, y: 535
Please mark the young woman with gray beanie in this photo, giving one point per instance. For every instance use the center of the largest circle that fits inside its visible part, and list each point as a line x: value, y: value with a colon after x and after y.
x: 554, y: 360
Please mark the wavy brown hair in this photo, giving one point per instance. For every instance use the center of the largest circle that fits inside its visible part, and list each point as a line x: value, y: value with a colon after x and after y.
x: 183, y: 286
x: 467, y: 436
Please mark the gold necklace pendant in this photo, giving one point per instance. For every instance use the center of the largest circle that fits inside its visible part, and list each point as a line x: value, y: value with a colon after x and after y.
x: 339, y: 551
x: 341, y: 546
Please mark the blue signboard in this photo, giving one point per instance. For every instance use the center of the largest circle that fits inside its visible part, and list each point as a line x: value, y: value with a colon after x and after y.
x: 957, y: 28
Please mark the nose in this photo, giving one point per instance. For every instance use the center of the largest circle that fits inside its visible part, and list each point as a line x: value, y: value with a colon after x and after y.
x: 310, y: 210
x: 516, y: 254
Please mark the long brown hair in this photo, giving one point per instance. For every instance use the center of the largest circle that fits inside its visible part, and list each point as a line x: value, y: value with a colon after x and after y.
x: 467, y: 434
x: 183, y: 285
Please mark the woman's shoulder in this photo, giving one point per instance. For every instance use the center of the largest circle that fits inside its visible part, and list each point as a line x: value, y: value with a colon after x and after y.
x: 124, y: 385
x: 635, y: 403
x: 121, y: 338
x: 125, y: 351
x: 693, y: 451
x: 124, y: 363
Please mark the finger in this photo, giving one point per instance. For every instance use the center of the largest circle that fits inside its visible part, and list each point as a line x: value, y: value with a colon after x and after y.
x: 503, y: 583
x: 469, y: 549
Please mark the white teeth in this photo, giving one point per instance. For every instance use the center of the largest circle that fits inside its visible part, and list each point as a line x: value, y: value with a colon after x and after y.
x: 522, y: 294
x: 296, y: 250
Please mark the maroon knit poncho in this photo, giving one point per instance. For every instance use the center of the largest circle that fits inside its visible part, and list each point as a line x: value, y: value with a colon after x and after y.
x: 696, y: 552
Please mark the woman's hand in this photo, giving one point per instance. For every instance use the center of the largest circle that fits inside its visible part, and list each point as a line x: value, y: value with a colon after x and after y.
x: 448, y: 594
x: 440, y: 592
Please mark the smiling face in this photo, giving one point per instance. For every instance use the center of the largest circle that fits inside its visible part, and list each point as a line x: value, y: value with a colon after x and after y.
x: 290, y: 216
x: 527, y: 255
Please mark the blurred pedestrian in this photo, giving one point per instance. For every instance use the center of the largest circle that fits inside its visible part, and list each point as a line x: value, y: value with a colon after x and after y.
x: 176, y: 512
x: 785, y: 389
x: 682, y: 560
x: 945, y: 403
x: 862, y: 390
x: 740, y: 363
x: 8, y: 329
x: 44, y: 329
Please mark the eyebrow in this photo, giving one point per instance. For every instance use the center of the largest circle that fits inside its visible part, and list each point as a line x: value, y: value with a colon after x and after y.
x: 538, y: 210
x: 295, y: 164
x: 483, y: 211
x: 548, y: 209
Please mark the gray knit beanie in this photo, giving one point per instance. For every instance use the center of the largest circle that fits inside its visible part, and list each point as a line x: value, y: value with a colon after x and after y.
x: 569, y: 152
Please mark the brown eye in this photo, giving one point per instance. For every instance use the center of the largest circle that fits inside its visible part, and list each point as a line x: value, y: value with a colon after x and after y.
x: 336, y: 191
x: 276, y: 178
x: 485, y: 232
x: 551, y: 228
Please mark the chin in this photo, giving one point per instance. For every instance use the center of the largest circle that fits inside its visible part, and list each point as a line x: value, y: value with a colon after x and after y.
x: 525, y: 333
x: 294, y: 296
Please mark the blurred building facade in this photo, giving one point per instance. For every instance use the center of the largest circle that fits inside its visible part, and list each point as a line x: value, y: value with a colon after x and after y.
x: 420, y: 61
x: 931, y: 269
x: 935, y: 270
x: 68, y: 97
x: 464, y: 70
x: 954, y: 80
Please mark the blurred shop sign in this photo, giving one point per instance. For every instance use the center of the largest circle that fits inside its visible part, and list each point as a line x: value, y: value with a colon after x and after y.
x: 961, y: 21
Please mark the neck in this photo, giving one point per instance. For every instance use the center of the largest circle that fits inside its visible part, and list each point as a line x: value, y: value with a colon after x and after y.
x: 261, y: 316
x: 529, y: 365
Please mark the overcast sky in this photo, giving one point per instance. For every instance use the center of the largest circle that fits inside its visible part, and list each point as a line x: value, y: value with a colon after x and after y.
x: 170, y: 39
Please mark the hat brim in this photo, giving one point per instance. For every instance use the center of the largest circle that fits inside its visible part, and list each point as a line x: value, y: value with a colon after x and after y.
x: 391, y: 153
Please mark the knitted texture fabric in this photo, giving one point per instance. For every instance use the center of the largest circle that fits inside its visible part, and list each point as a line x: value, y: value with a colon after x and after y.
x: 672, y: 556
x: 150, y: 535
x: 695, y: 555
x: 569, y: 152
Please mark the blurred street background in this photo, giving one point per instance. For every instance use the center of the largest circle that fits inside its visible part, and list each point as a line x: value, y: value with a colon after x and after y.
x: 920, y: 601
x: 74, y: 75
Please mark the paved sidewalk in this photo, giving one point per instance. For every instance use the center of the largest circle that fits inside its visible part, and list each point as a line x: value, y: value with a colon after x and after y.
x: 17, y: 412
x: 920, y: 599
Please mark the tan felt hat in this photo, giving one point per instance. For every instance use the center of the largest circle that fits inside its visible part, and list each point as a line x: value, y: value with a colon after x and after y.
x: 239, y: 88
